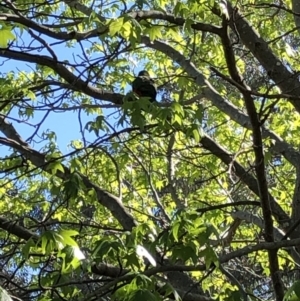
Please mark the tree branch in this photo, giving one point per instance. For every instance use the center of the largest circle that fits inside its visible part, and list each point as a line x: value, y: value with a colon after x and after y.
x: 111, y: 202
x: 260, y: 168
x: 282, y: 218
x: 277, y: 71
x: 61, y: 70
x: 221, y: 103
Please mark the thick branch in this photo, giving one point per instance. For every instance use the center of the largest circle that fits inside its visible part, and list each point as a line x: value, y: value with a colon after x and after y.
x: 58, y: 35
x: 296, y: 204
x: 111, y: 202
x: 159, y: 15
x: 277, y: 71
x: 66, y: 36
x: 260, y: 169
x: 68, y: 76
x: 149, y: 14
x: 15, y: 229
x: 184, y: 268
x: 221, y: 103
x: 109, y: 270
x: 250, y: 218
x: 101, y: 269
x: 245, y: 176
x: 296, y: 11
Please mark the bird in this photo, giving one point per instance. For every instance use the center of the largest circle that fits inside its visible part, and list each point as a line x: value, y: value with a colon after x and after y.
x: 144, y: 86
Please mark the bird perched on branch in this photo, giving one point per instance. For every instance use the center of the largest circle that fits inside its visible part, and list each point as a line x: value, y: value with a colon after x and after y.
x: 144, y: 86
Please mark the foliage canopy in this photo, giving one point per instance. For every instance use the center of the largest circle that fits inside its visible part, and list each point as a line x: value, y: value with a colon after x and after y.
x: 193, y: 197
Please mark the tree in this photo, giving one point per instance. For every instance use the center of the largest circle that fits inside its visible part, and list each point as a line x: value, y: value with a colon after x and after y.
x: 206, y: 181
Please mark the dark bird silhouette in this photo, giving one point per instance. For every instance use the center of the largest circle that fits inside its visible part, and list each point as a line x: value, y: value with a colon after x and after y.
x: 144, y: 86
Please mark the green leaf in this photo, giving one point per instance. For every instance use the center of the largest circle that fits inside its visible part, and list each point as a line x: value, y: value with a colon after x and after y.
x: 175, y: 230
x: 26, y: 249
x: 126, y: 31
x: 72, y: 185
x: 66, y: 237
x: 187, y: 25
x: 296, y: 286
x: 105, y: 247
x: 290, y: 293
x: 196, y: 135
x: 115, y: 26
x: 133, y: 260
x: 177, y: 119
x: 185, y: 252
x: 177, y: 107
x: 55, y: 167
x: 5, y: 36
x: 180, y: 9
x: 154, y: 32
x: 142, y: 294
x: 70, y: 260
x: 233, y: 295
x: 49, y: 242
x: 168, y: 289
x: 142, y: 281
x: 30, y: 94
x: 199, y: 114
x: 210, y: 257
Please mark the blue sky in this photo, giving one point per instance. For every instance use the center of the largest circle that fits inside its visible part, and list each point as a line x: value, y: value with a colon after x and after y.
x: 64, y: 124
